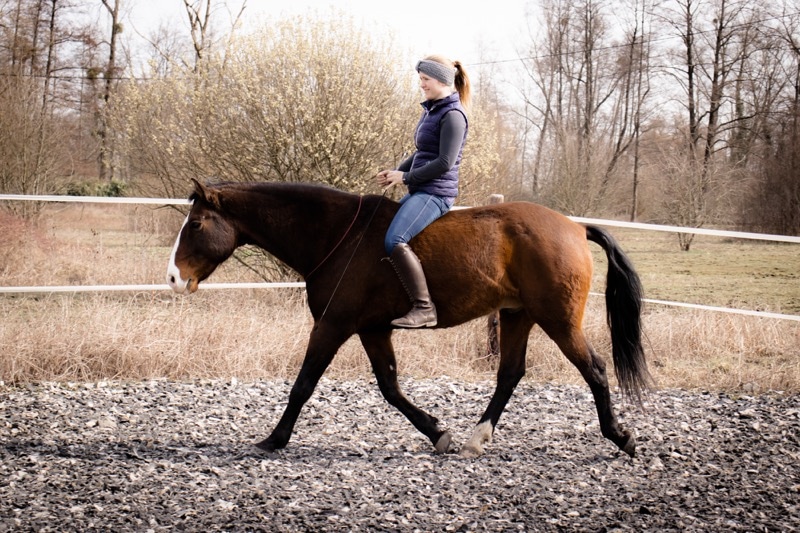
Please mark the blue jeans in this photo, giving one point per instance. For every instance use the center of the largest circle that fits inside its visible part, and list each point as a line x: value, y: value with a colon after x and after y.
x: 416, y: 212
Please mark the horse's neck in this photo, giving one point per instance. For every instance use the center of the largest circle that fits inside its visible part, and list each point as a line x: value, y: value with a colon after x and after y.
x: 295, y: 226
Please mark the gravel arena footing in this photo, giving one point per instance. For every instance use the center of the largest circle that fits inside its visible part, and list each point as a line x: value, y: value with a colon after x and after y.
x: 160, y: 455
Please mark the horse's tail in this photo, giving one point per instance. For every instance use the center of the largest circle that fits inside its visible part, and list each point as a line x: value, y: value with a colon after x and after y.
x: 624, y: 316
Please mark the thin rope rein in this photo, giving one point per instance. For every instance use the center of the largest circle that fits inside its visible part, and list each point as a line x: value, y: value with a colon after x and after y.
x: 347, y: 232
x: 346, y: 266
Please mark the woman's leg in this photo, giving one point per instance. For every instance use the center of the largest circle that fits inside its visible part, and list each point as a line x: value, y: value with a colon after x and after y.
x: 416, y: 213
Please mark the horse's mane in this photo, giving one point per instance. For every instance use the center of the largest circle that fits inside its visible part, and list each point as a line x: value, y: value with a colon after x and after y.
x: 306, y: 190
x: 277, y: 187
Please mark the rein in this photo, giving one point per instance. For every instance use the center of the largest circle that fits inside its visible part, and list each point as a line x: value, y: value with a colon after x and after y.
x: 344, y: 270
x: 360, y: 201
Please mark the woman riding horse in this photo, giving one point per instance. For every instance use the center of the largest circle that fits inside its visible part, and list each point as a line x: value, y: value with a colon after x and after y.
x: 431, y: 174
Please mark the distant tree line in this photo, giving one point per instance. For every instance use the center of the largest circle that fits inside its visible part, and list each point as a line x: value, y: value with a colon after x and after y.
x: 682, y: 112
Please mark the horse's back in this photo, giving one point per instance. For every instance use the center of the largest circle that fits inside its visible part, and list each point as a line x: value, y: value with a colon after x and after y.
x: 515, y: 254
x: 521, y: 229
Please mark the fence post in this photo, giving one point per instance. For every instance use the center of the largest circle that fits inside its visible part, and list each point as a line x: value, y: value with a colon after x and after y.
x: 493, y: 324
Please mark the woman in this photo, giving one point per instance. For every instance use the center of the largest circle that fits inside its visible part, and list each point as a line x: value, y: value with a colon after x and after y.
x: 431, y: 175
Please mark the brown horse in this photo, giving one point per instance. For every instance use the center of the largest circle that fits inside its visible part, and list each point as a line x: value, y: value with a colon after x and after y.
x: 530, y: 263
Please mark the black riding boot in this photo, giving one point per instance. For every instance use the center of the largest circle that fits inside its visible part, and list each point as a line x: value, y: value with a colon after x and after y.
x: 409, y: 270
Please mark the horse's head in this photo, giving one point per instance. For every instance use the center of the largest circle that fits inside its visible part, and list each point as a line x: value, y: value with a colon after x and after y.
x: 206, y: 239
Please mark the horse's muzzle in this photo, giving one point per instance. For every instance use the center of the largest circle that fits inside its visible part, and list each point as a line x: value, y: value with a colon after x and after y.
x: 179, y: 285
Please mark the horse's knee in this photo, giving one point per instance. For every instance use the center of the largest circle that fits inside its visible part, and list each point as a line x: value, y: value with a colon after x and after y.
x: 393, y: 396
x: 301, y: 391
x: 510, y: 375
x: 391, y: 393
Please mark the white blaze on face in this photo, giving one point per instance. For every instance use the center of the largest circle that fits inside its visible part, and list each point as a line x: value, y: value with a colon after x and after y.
x: 174, y: 279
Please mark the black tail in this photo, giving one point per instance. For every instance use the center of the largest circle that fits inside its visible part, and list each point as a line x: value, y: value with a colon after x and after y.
x: 624, y: 317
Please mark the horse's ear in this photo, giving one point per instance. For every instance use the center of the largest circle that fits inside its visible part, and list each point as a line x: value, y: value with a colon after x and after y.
x: 209, y: 196
x: 201, y: 190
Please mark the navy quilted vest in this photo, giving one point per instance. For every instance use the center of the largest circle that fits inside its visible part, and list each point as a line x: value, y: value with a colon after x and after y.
x: 427, y: 144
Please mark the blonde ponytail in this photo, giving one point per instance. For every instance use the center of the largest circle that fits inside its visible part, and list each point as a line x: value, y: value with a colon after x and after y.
x: 462, y: 84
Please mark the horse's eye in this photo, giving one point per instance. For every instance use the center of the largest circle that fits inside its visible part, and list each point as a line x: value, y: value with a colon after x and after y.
x: 195, y: 225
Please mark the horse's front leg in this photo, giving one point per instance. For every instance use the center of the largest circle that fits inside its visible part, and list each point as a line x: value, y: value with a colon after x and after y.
x: 322, y: 346
x: 514, y: 329
x: 378, y: 345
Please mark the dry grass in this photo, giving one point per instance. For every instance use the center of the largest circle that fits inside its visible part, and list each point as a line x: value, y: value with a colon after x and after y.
x: 262, y: 334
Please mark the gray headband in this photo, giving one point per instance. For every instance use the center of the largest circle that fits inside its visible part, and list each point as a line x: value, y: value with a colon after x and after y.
x: 437, y: 71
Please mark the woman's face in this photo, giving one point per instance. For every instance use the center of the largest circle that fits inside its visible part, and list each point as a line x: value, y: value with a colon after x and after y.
x: 432, y: 88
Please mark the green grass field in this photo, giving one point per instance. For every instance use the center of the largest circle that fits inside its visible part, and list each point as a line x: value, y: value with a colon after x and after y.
x: 739, y: 273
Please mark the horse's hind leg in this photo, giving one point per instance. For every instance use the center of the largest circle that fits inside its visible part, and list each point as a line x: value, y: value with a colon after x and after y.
x: 514, y: 328
x: 378, y: 345
x: 576, y: 347
x: 322, y: 346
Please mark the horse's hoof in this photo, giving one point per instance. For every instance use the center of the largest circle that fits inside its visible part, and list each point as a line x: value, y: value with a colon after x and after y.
x: 443, y: 444
x: 266, y: 446
x: 470, y: 451
x: 630, y: 446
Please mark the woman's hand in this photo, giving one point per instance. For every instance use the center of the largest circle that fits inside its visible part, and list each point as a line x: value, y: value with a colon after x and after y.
x: 389, y: 178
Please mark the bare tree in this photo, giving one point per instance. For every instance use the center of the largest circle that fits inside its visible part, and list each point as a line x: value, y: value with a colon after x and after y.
x: 492, y: 154
x: 710, y: 59
x: 106, y: 160
x: 544, y: 72
x: 166, y: 52
x: 639, y: 82
x: 32, y: 154
x: 585, y: 97
x: 772, y: 203
x: 199, y: 13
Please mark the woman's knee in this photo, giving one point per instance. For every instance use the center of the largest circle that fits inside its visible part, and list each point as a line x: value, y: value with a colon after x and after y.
x: 391, y: 241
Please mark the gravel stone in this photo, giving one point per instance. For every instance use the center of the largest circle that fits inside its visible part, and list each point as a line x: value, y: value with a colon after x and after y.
x: 162, y: 455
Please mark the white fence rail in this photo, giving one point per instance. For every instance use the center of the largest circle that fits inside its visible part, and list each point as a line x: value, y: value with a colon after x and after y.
x: 216, y: 286
x: 696, y: 231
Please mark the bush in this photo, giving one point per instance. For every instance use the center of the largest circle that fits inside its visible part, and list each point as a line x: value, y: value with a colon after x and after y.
x: 79, y: 189
x: 111, y: 189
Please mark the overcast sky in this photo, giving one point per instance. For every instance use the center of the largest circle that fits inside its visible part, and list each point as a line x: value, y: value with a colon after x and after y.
x: 473, y: 31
